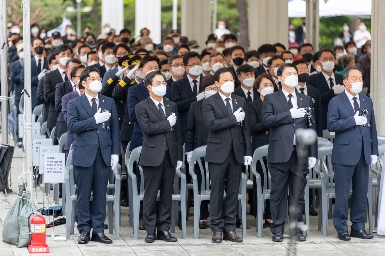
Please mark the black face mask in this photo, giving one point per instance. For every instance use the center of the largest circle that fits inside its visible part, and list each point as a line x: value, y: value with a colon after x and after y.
x: 238, y: 61
x: 302, y: 78
x: 125, y: 40
x: 39, y: 50
x: 307, y: 57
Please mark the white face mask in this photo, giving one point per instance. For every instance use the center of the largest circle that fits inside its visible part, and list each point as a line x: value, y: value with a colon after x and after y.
x: 212, y: 45
x: 110, y: 59
x: 318, y: 68
x: 139, y: 74
x: 266, y: 91
x: 196, y: 70
x: 95, y: 86
x: 21, y: 55
x: 276, y: 71
x: 266, y: 60
x: 346, y: 28
x: 254, y: 64
x: 106, y: 30
x: 69, y: 31
x: 221, y: 26
x: 249, y: 82
x: 228, y: 87
x: 43, y: 35
x: 56, y: 43
x: 288, y: 61
x: 294, y: 51
x: 206, y: 67
x: 92, y: 63
x: 35, y: 30
x: 339, y: 55
x: 83, y: 59
x: 209, y: 93
x: 230, y: 44
x: 178, y: 71
x: 63, y: 61
x: 291, y: 81
x: 356, y: 87
x: 220, y: 49
x: 362, y: 27
x: 159, y: 90
x: 353, y: 51
x: 54, y: 67
x: 168, y: 48
x: 15, y: 30
x: 149, y: 47
x: 100, y: 55
x: 217, y: 66
x: 167, y: 74
x: 328, y: 66
x: 176, y: 40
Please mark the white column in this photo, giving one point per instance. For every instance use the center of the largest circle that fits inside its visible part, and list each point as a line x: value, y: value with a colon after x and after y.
x: 112, y: 13
x: 4, y: 71
x: 377, y: 77
x: 312, y: 23
x: 147, y: 14
x: 268, y: 22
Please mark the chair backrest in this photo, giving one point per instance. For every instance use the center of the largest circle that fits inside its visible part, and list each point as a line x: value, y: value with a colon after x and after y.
x: 381, y: 140
x: 128, y: 153
x: 70, y: 170
x: 37, y: 110
x: 52, y: 135
x: 134, y: 157
x: 323, y: 142
x: 62, y: 141
x: 258, y: 156
x: 43, y: 129
x: 324, y: 162
x: 327, y: 135
x: 196, y: 156
x: 39, y: 120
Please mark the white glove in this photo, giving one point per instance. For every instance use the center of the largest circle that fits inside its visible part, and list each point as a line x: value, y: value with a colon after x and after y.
x: 114, y: 161
x: 189, y: 155
x: 239, y: 115
x: 132, y: 71
x: 311, y: 162
x: 297, y: 112
x: 178, y: 164
x: 42, y: 74
x: 247, y: 160
x: 338, y: 88
x: 120, y: 72
x: 201, y: 96
x: 360, y: 120
x: 172, y: 119
x: 101, y: 117
x: 374, y: 159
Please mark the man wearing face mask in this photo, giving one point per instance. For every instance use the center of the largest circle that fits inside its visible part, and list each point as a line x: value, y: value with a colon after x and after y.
x: 351, y: 117
x: 83, y: 51
x: 188, y: 89
x: 266, y: 52
x: 274, y: 64
x: 34, y: 32
x: 326, y: 82
x: 119, y: 51
x: 237, y: 54
x: 177, y: 69
x: 216, y: 61
x: 168, y: 46
x: 252, y: 58
x: 56, y: 40
x: 211, y: 41
x: 93, y: 119
x: 109, y: 58
x: 306, y: 52
x: 125, y: 36
x: 221, y: 30
x: 284, y: 112
x: 230, y: 40
x: 51, y: 79
x: 228, y: 149
x: 245, y: 75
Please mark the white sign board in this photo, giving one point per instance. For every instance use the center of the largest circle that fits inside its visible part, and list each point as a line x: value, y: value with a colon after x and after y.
x: 54, y: 167
x: 36, y: 143
x: 20, y: 122
x: 35, y: 130
x: 46, y: 150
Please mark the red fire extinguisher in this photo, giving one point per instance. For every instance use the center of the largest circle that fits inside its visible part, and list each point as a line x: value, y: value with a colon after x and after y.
x: 38, y: 236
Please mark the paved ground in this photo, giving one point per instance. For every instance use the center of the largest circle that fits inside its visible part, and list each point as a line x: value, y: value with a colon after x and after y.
x: 316, y: 244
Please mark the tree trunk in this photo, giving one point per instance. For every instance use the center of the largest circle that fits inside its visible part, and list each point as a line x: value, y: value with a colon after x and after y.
x: 96, y: 17
x: 243, y: 25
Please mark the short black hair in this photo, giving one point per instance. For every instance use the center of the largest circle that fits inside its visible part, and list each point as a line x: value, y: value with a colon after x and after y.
x: 252, y: 53
x: 39, y: 39
x: 89, y: 34
x: 287, y: 52
x: 160, y: 52
x: 125, y: 30
x: 51, y: 57
x: 350, y: 43
x: 162, y: 62
x: 270, y: 62
x: 121, y: 45
x: 230, y: 36
x: 300, y: 61
x: 100, y: 42
x: 347, y: 70
x: 265, y: 48
x: 216, y: 54
x: 147, y: 59
x: 190, y: 55
x: 325, y: 50
x: 315, y: 56
x: 168, y: 38
x: 150, y: 76
x: 280, y: 45
x: 73, y: 60
x: 204, y: 53
x: 304, y: 45
x: 218, y: 73
x: 338, y: 47
x: 83, y: 46
x: 174, y: 57
x: 245, y: 68
x: 91, y: 52
x: 207, y: 81
x: 75, y: 69
x: 236, y: 47
x: 107, y: 45
x: 62, y: 48
x: 226, y: 52
x: 286, y: 65
x: 87, y: 71
x: 183, y: 46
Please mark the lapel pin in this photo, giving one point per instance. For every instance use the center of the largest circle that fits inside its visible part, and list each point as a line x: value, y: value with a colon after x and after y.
x: 301, y: 98
x: 103, y: 100
x: 168, y: 105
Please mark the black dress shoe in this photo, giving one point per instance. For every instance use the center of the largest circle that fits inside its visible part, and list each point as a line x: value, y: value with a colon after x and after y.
x: 105, y: 226
x: 300, y: 237
x: 84, y: 237
x: 360, y: 234
x: 344, y: 236
x: 166, y: 236
x: 202, y: 224
x: 150, y: 238
x: 312, y: 212
x: 101, y: 238
x: 124, y: 203
x: 278, y: 237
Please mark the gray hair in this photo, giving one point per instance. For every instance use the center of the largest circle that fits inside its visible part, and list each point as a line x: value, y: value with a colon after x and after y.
x: 347, y: 71
x: 345, y: 60
x: 216, y: 54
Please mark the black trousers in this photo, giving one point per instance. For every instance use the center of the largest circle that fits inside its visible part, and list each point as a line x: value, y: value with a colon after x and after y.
x: 224, y: 177
x: 283, y: 176
x: 160, y: 177
x: 267, y: 213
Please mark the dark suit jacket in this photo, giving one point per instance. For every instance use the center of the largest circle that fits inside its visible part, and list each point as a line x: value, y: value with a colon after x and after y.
x: 259, y: 70
x: 276, y: 114
x: 225, y: 133
x: 51, y: 79
x: 102, y: 71
x: 61, y: 90
x: 66, y: 98
x: 15, y: 71
x: 88, y: 134
x: 319, y: 82
x: 348, y: 141
x: 107, y: 89
x: 196, y: 130
x: 158, y: 134
x: 40, y: 100
x: 169, y: 82
x: 238, y: 91
x: 136, y: 94
x: 260, y: 134
x: 237, y: 83
x: 317, y: 105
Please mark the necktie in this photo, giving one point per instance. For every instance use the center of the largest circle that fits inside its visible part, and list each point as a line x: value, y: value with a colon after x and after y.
x: 195, y: 89
x: 249, y: 99
x: 302, y: 90
x: 94, y: 106
x: 289, y: 101
x: 356, y: 106
x: 39, y: 65
x: 331, y: 83
x: 161, y: 111
x: 65, y: 76
x: 228, y: 106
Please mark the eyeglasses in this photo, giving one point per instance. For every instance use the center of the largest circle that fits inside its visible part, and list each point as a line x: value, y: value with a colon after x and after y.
x: 92, y: 79
x: 159, y: 84
x: 177, y: 65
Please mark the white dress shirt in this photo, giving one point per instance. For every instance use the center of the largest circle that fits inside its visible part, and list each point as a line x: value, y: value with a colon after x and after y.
x: 62, y: 73
x: 350, y: 97
x: 157, y: 103
x: 108, y: 68
x: 251, y: 92
x: 328, y: 77
x: 294, y: 102
x: 89, y: 98
x: 192, y: 83
x: 299, y: 89
x: 224, y: 100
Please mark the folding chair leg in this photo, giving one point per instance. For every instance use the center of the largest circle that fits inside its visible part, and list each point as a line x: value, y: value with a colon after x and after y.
x: 183, y: 216
x: 110, y: 218
x: 325, y: 210
x: 261, y: 203
x: 117, y: 220
x: 196, y: 217
x: 173, y: 217
x: 243, y: 209
x: 136, y: 219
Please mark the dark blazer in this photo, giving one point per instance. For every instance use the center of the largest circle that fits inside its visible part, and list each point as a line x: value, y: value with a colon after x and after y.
x: 260, y: 134
x: 225, y: 133
x: 66, y: 98
x: 15, y: 71
x: 51, y: 79
x: 61, y: 90
x: 40, y: 100
x: 317, y: 105
x: 348, y: 141
x: 237, y: 83
x: 109, y: 74
x: 88, y: 134
x: 136, y: 94
x: 196, y: 129
x: 158, y: 134
x: 276, y: 114
x: 259, y: 70
x: 169, y: 82
x: 102, y: 71
x: 238, y: 91
x: 319, y: 82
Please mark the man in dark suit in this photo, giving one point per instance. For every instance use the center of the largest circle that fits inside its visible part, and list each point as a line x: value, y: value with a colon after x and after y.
x: 177, y: 69
x: 161, y: 154
x: 93, y: 119
x: 108, y: 57
x: 284, y: 111
x: 274, y: 63
x: 228, y: 149
x: 237, y: 54
x: 266, y: 52
x: 188, y: 89
x: 120, y: 50
x: 63, y: 54
x: 246, y: 77
x: 326, y: 82
x: 351, y: 117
